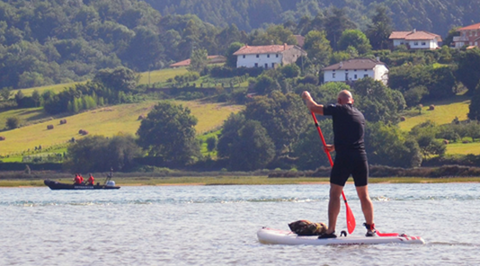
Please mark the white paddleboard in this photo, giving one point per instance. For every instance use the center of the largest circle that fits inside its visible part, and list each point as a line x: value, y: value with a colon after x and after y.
x: 274, y: 236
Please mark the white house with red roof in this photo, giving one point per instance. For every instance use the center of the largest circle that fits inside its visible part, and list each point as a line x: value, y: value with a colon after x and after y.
x: 416, y: 39
x: 469, y: 36
x: 355, y: 69
x: 268, y: 56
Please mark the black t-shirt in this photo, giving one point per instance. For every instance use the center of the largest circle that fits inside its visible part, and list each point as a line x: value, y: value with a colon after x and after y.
x: 348, y: 127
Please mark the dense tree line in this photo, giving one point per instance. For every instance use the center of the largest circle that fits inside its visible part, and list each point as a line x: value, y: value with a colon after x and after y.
x: 437, y: 16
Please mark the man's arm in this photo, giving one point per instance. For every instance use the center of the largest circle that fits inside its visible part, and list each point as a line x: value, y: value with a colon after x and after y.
x: 311, y: 104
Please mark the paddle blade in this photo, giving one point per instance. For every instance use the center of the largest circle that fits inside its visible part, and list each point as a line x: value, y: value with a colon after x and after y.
x: 350, y: 219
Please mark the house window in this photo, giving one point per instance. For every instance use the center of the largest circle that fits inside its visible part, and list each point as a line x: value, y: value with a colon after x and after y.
x: 355, y: 76
x: 346, y: 76
x: 268, y: 55
x: 415, y: 43
x: 273, y: 65
x: 243, y: 56
x: 258, y: 55
x: 266, y: 65
x: 424, y: 43
x: 355, y: 70
x: 365, y: 70
x: 256, y: 64
x: 277, y: 55
x: 333, y: 75
x: 366, y: 75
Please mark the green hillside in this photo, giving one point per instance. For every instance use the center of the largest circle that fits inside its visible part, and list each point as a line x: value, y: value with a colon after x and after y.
x: 445, y: 112
x: 106, y: 121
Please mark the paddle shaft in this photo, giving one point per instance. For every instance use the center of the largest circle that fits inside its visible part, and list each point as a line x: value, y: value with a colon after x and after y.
x: 331, y: 165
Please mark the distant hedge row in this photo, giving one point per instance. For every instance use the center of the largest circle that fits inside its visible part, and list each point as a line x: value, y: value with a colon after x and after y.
x: 386, y: 171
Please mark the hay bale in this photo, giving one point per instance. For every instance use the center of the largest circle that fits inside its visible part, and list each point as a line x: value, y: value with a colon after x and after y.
x: 80, y: 131
x: 432, y: 107
x: 49, y: 127
x: 141, y: 117
x: 402, y: 118
x: 63, y: 121
x: 85, y: 132
x: 445, y: 141
x: 2, y: 138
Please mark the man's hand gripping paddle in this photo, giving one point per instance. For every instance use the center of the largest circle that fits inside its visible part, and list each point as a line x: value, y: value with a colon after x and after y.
x: 350, y: 218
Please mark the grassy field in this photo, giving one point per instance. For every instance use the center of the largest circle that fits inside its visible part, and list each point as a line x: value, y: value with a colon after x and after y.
x: 444, y: 113
x: 463, y: 148
x: 106, y: 121
x: 55, y: 88
x: 240, y: 180
x: 161, y: 75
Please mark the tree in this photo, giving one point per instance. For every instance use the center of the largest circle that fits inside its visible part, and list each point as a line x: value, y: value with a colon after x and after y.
x: 37, y: 98
x: 253, y: 149
x: 5, y: 93
x: 12, y: 122
x: 290, y: 71
x: 198, y: 60
x: 356, y: 39
x: 169, y: 132
x: 336, y: 23
x: 282, y: 115
x: 376, y: 101
x: 308, y: 149
x: 212, y: 143
x: 468, y: 71
x: 98, y: 153
x: 232, y: 59
x: 449, y: 38
x: 144, y: 50
x: 265, y: 84
x: 318, y: 48
x: 118, y: 79
x: 387, y: 145
x: 229, y: 133
x: 380, y: 29
x: 276, y: 34
x: 474, y: 108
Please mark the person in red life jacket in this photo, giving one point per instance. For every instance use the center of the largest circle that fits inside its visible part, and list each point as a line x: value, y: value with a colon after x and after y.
x: 91, y: 180
x: 82, y: 181
x: 77, y: 179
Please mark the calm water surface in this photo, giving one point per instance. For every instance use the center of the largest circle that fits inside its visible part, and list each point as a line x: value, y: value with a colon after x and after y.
x: 216, y: 225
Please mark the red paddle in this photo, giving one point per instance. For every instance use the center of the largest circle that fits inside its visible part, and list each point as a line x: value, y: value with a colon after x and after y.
x: 350, y: 218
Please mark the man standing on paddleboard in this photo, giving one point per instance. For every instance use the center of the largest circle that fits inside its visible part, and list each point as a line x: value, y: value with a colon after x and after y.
x: 350, y: 159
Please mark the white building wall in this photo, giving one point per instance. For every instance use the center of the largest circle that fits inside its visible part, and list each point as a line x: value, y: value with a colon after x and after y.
x: 423, y: 44
x: 341, y: 75
x: 249, y: 60
x: 419, y: 44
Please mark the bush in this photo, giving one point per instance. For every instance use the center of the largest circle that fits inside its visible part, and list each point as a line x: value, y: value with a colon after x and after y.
x: 212, y: 143
x: 12, y: 122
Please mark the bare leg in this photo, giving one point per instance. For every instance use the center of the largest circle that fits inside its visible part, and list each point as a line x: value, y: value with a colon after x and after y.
x: 333, y: 206
x: 367, y: 206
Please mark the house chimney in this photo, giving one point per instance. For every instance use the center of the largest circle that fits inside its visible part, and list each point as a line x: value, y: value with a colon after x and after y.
x: 341, y: 64
x: 414, y: 30
x: 378, y: 59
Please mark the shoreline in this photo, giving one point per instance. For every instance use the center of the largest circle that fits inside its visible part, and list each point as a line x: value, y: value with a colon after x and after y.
x: 239, y: 180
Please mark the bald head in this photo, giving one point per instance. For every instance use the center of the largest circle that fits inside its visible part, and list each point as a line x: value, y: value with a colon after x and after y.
x: 344, y: 97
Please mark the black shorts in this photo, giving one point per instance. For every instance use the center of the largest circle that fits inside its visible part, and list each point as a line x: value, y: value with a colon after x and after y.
x: 350, y: 163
